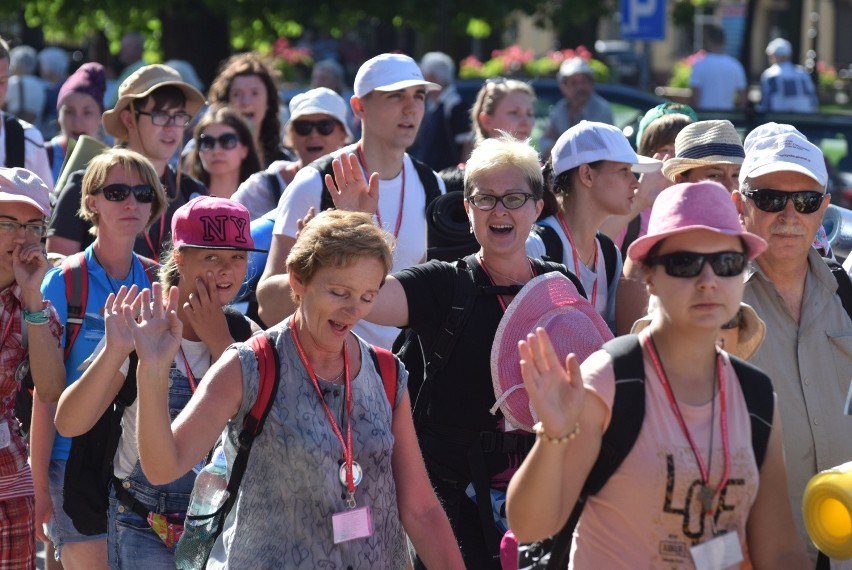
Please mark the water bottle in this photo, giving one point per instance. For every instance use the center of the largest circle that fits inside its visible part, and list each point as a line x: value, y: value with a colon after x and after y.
x: 827, y: 506
x: 210, y: 490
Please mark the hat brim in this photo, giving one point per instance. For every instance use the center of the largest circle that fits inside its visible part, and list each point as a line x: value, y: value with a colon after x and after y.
x: 112, y: 119
x: 646, y: 164
x: 315, y: 110
x: 674, y: 166
x: 774, y: 167
x: 408, y: 83
x: 182, y: 245
x: 7, y: 197
x: 639, y: 249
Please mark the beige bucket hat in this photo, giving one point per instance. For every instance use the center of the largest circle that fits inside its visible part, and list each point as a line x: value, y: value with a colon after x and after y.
x: 702, y: 144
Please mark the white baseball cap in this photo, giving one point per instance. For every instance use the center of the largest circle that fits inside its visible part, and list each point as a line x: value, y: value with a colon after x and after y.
x: 319, y: 101
x: 573, y: 66
x: 779, y: 47
x: 588, y: 142
x: 390, y: 72
x: 784, y: 152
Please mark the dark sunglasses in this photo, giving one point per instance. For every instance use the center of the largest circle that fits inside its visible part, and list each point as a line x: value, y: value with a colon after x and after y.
x: 510, y: 201
x: 768, y: 200
x: 119, y: 192
x: 324, y: 126
x: 226, y: 141
x: 690, y: 264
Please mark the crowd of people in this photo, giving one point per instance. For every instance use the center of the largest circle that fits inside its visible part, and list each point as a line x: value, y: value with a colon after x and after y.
x: 601, y: 378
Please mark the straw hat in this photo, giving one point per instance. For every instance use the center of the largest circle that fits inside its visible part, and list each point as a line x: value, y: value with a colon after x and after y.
x: 550, y: 301
x: 142, y: 83
x: 702, y: 144
x: 752, y: 332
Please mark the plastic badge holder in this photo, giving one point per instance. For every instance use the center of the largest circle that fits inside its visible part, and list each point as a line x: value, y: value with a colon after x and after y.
x: 827, y: 507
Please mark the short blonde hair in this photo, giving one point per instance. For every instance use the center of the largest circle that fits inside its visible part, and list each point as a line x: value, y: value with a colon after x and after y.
x: 98, y: 170
x: 506, y: 150
x: 335, y: 238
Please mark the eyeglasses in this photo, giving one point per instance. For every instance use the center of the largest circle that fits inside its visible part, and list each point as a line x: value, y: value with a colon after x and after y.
x: 324, y: 126
x: 163, y: 119
x: 225, y: 141
x: 690, y: 264
x: 768, y: 200
x: 36, y: 230
x: 119, y: 192
x: 510, y: 201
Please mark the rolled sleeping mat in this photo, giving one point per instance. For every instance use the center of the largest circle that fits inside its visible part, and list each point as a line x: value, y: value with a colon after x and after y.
x: 80, y: 152
x: 448, y: 228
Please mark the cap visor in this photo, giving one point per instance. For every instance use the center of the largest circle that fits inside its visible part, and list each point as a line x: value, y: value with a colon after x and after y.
x: 409, y: 83
x: 646, y: 164
x: 773, y: 167
x: 224, y: 247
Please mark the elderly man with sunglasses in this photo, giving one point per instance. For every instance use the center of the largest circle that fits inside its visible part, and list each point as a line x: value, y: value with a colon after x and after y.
x: 808, y: 347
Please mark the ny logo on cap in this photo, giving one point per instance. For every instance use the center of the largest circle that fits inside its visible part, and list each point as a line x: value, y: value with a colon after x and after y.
x: 215, y: 228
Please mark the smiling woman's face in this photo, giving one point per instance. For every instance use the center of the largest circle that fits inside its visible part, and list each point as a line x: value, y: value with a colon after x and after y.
x: 248, y: 95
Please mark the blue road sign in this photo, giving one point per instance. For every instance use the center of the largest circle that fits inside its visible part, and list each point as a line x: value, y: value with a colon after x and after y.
x: 643, y: 19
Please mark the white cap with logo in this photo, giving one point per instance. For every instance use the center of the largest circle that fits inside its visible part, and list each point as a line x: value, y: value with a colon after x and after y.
x: 786, y: 151
x: 390, y: 72
x: 589, y: 141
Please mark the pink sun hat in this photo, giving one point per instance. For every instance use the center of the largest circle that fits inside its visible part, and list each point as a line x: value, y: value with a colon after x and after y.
x: 694, y: 206
x: 552, y: 302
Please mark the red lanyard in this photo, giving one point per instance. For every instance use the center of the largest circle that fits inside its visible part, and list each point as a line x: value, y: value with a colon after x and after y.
x: 189, y: 375
x: 347, y: 445
x: 705, y: 475
x: 401, y: 197
x: 488, y: 273
x: 576, y: 259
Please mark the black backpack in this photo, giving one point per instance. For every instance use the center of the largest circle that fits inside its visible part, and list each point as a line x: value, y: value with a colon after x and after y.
x: 628, y: 412
x: 554, y: 250
x: 14, y: 132
x: 89, y: 469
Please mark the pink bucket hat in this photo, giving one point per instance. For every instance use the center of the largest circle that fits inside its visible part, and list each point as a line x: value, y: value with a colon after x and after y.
x: 213, y: 223
x: 552, y: 302
x: 694, y: 206
x: 21, y: 185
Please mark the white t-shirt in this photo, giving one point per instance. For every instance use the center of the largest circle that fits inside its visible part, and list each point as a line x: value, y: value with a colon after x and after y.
x: 719, y: 76
x: 305, y: 191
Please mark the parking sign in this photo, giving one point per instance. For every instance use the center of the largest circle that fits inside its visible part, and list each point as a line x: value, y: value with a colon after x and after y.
x: 643, y: 19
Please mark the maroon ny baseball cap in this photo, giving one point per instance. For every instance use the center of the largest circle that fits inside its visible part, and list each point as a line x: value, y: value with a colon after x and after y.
x: 213, y: 223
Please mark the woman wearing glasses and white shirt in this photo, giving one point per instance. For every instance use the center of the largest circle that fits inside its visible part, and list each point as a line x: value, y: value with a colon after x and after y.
x: 121, y: 197
x: 690, y: 493
x: 223, y: 155
x: 502, y: 191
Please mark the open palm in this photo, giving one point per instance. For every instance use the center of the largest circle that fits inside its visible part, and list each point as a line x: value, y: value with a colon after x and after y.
x: 158, y: 331
x: 349, y: 190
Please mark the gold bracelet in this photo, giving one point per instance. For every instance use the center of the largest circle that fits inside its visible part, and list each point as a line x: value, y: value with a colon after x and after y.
x: 540, y: 434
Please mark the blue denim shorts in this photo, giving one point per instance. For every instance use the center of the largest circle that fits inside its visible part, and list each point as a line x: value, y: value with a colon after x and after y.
x: 131, y: 539
x: 60, y: 529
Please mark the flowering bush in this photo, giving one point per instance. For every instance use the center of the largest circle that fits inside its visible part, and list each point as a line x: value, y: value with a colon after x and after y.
x: 517, y: 61
x: 293, y: 63
x: 683, y: 69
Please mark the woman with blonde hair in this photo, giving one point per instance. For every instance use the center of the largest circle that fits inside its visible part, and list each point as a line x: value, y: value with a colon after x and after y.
x: 503, y: 105
x: 121, y: 197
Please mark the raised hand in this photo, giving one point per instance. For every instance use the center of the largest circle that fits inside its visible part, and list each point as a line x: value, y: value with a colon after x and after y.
x: 302, y: 222
x: 118, y: 334
x: 555, y: 391
x: 157, y: 331
x: 348, y: 188
x: 203, y: 312
x: 29, y: 264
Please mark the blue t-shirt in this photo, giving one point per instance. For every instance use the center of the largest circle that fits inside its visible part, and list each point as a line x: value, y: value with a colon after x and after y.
x: 92, y: 331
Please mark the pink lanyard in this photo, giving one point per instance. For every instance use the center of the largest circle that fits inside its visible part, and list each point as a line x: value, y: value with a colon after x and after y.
x: 576, y: 258
x: 347, y: 444
x: 705, y: 475
x: 401, y: 197
x: 189, y: 375
x: 488, y: 273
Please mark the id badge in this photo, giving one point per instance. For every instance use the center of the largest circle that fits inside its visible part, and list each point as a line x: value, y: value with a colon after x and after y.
x: 352, y: 524
x: 5, y: 435
x: 718, y: 553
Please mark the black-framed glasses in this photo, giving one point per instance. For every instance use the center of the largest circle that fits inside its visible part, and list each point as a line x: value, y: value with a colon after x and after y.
x: 120, y: 192
x: 33, y: 229
x: 324, y: 126
x: 226, y: 141
x: 690, y: 264
x: 510, y: 201
x: 159, y: 119
x: 769, y: 200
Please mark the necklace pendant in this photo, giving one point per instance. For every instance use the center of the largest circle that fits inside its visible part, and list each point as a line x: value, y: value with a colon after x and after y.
x: 705, y: 495
x: 357, y: 474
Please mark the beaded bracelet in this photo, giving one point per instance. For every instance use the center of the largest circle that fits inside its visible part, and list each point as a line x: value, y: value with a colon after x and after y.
x: 38, y: 317
x: 540, y: 434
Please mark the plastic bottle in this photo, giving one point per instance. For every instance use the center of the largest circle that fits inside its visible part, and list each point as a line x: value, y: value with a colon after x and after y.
x: 827, y: 508
x: 210, y: 490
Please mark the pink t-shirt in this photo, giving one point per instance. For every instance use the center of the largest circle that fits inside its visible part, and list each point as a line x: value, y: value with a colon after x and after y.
x: 648, y: 515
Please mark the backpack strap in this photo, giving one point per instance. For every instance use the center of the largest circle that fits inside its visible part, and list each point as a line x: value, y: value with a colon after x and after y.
x: 632, y: 234
x: 274, y: 184
x: 15, y: 153
x: 76, y: 277
x: 386, y: 363
x: 760, y: 401
x: 238, y: 325
x: 268, y: 366
x: 428, y: 179
x: 542, y: 267
x: 610, y: 257
x: 844, y: 284
x: 553, y: 249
